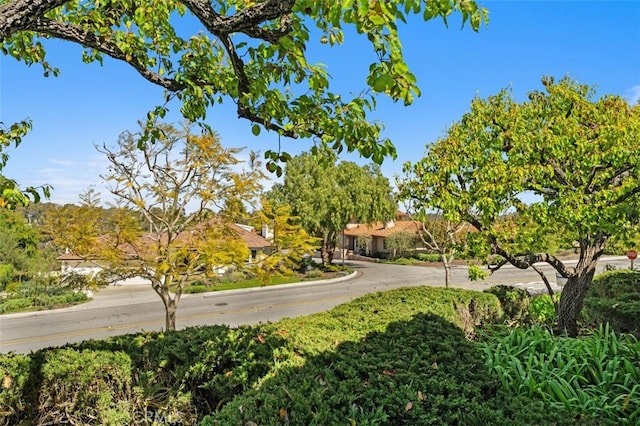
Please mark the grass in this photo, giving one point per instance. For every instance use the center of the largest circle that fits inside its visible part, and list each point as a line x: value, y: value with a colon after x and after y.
x: 277, y: 280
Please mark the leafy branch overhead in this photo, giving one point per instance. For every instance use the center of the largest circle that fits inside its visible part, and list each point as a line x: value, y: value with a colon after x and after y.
x: 253, y: 53
x: 11, y: 195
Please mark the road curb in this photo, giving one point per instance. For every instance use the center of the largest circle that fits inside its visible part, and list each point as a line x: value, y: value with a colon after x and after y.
x: 96, y: 304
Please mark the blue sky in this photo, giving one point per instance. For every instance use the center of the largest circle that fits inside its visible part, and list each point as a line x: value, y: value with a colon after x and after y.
x: 596, y: 43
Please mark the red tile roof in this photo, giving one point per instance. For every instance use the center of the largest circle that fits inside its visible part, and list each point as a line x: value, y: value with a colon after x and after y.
x: 379, y: 229
x: 251, y: 238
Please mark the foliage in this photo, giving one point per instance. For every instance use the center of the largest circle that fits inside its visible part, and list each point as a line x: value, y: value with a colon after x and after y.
x: 326, y: 196
x: 475, y: 272
x: 32, y: 300
x: 243, y: 52
x: 21, y: 257
x: 429, y: 257
x: 542, y: 310
x: 614, y: 298
x: 565, y: 147
x: 75, y: 228
x: 11, y: 196
x: 291, y: 242
x: 416, y: 371
x: 594, y: 377
x: 515, y: 302
x: 173, y: 183
x: 401, y: 242
x: 198, y: 370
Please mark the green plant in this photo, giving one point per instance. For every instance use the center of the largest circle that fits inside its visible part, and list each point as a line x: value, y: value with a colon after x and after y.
x: 596, y: 376
x: 614, y: 298
x: 28, y: 299
x: 542, y: 310
x: 515, y: 302
x: 314, y: 273
x: 417, y: 371
x: 429, y: 257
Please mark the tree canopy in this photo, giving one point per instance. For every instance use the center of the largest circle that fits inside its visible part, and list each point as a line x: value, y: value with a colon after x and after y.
x: 561, y: 162
x: 174, y: 183
x: 327, y: 195
x: 252, y: 53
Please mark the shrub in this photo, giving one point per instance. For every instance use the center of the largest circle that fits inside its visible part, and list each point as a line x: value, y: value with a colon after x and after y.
x: 429, y: 257
x: 7, y: 272
x: 614, y: 298
x: 542, y: 310
x: 314, y: 273
x: 15, y: 370
x: 33, y: 301
x: 515, y: 302
x: 66, y: 386
x: 196, y: 288
x: 420, y: 371
x: 198, y: 370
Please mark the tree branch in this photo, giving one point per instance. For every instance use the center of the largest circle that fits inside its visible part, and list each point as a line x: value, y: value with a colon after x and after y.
x: 88, y: 39
x: 18, y: 15
x: 247, y: 20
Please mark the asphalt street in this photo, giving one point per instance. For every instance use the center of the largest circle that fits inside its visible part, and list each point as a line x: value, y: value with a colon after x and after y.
x: 130, y: 309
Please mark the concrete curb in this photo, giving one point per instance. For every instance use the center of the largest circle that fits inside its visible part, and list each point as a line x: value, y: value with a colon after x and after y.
x: 97, y: 303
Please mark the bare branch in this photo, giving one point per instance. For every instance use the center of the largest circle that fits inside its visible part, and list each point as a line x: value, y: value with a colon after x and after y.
x: 554, y: 299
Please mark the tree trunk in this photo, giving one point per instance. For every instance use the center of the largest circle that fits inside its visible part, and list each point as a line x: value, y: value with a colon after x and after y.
x: 326, y: 252
x: 170, y: 315
x: 571, y: 300
x: 576, y: 288
x: 170, y: 306
x: 447, y: 273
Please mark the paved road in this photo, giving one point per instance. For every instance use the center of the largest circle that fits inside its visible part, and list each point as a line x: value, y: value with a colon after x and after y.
x: 130, y: 309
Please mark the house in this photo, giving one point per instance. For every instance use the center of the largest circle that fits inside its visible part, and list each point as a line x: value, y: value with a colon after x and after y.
x: 257, y: 245
x: 370, y: 239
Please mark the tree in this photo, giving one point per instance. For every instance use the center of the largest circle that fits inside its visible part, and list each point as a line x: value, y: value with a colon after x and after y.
x: 400, y: 243
x: 291, y: 242
x: 437, y: 234
x: 560, y: 162
x: 252, y: 53
x: 173, y: 183
x: 326, y: 196
x: 18, y: 248
x: 77, y: 228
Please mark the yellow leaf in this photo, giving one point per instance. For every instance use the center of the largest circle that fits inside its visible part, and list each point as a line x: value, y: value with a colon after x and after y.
x: 7, y: 382
x: 283, y: 414
x: 409, y: 406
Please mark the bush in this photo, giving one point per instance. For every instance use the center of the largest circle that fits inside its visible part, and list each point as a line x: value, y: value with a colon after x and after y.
x: 7, y: 272
x: 429, y: 257
x: 542, y: 310
x: 420, y: 371
x: 614, y: 298
x: 314, y: 273
x: 515, y: 302
x: 198, y: 370
x: 66, y: 386
x: 38, y: 301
